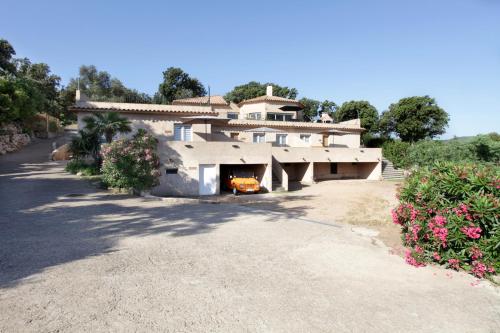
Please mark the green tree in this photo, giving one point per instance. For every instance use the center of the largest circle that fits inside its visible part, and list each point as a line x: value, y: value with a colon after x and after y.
x: 107, y: 124
x: 359, y: 109
x: 310, y: 109
x: 329, y: 107
x: 19, y: 99
x: 414, y: 118
x: 6, y: 54
x: 178, y: 84
x: 47, y: 83
x: 255, y: 89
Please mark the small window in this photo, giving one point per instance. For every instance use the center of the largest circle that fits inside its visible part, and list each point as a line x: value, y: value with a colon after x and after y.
x: 182, y: 132
x: 281, y: 139
x: 235, y: 135
x: 232, y: 115
x: 305, y: 138
x: 333, y: 168
x: 259, y: 137
x: 254, y: 116
x: 171, y: 171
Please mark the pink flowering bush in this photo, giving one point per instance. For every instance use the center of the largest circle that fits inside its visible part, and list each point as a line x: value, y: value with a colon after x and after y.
x: 132, y: 163
x: 449, y: 214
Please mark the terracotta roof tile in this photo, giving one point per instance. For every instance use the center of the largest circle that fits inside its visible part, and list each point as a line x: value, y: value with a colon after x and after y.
x: 140, y: 108
x: 293, y: 124
x: 214, y: 100
x: 267, y: 98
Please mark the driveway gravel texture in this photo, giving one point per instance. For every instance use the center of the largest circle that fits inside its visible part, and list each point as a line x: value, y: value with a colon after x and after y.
x: 76, y: 258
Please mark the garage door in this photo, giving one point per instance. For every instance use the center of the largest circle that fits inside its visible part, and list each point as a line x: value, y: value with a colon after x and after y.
x: 208, y: 179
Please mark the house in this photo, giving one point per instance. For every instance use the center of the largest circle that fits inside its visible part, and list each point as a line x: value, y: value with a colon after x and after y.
x: 202, y: 139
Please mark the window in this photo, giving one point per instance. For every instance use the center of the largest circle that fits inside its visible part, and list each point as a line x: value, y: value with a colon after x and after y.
x: 235, y: 135
x: 171, y: 171
x: 182, y: 132
x: 254, y: 116
x: 333, y: 168
x: 232, y: 115
x: 259, y: 137
x: 279, y: 116
x: 281, y: 139
x: 305, y: 138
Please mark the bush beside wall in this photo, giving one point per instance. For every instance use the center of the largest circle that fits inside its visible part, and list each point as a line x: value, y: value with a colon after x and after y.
x: 449, y: 214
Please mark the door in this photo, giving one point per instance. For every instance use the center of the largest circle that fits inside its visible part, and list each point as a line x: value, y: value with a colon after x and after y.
x: 208, y: 179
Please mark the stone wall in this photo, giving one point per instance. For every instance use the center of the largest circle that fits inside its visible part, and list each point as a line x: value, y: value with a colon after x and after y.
x: 12, y: 138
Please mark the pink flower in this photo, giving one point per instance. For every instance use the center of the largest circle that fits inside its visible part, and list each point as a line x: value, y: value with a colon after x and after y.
x: 476, y: 253
x: 395, y: 217
x: 418, y: 249
x: 440, y: 220
x: 479, y: 269
x: 472, y: 231
x: 436, y: 256
x: 454, y: 263
x: 411, y: 260
x: 441, y: 234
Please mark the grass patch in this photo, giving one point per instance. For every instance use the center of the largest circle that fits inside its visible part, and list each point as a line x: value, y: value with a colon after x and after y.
x: 78, y: 166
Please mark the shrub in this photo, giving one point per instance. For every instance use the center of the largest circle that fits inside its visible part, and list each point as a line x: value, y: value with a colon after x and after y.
x: 449, y: 214
x: 53, y: 127
x: 75, y: 166
x: 397, y: 153
x: 131, y: 164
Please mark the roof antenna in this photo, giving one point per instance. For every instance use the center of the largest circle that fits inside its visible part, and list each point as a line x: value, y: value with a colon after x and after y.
x: 208, y: 95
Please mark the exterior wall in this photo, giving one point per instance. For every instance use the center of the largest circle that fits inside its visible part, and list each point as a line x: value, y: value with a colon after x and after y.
x: 264, y: 108
x: 291, y: 155
x: 346, y: 141
x: 162, y: 126
x: 347, y: 171
x: 187, y: 156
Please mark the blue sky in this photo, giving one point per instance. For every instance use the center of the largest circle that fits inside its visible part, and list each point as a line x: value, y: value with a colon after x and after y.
x: 379, y: 51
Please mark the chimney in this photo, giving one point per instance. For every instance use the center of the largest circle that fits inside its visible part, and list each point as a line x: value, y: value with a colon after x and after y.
x: 269, y: 90
x: 80, y: 96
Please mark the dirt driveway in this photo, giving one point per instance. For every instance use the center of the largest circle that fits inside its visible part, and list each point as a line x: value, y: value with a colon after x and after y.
x: 76, y: 259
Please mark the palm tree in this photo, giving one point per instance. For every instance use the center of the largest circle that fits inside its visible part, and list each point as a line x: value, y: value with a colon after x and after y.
x: 107, y: 124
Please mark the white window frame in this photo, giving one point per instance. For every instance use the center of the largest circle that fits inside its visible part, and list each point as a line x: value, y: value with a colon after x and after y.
x: 306, y: 138
x: 282, y: 136
x: 259, y: 138
x: 185, y: 132
x: 255, y: 116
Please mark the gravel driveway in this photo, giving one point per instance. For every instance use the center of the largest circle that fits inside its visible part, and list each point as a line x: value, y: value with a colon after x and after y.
x: 73, y: 258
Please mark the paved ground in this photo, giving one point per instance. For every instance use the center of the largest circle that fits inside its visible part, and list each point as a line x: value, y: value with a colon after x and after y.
x: 76, y: 259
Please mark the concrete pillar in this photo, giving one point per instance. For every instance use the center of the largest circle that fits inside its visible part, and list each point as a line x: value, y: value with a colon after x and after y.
x: 309, y: 174
x: 267, y: 180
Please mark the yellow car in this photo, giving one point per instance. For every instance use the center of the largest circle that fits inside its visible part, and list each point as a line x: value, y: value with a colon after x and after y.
x: 243, y: 181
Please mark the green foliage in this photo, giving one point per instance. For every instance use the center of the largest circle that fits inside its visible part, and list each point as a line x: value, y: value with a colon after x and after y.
x: 310, y: 109
x: 6, y: 54
x: 131, y: 164
x: 366, y: 112
x: 449, y: 214
x: 254, y: 89
x: 177, y: 84
x: 480, y: 149
x: 19, y: 99
x: 397, y: 153
x: 53, y: 127
x: 414, y: 118
x: 107, y: 124
x: 86, y: 144
x: 76, y: 166
x: 100, y: 86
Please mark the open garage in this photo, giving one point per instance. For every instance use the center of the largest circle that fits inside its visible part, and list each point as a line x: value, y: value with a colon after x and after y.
x: 355, y: 170
x: 241, y: 171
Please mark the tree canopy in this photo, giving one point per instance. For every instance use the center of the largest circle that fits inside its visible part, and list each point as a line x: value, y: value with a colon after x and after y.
x: 255, y: 89
x: 414, y: 118
x: 362, y: 109
x: 178, y: 84
x: 6, y: 54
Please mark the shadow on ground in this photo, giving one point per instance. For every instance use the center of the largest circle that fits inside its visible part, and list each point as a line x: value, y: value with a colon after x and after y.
x: 51, y: 218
